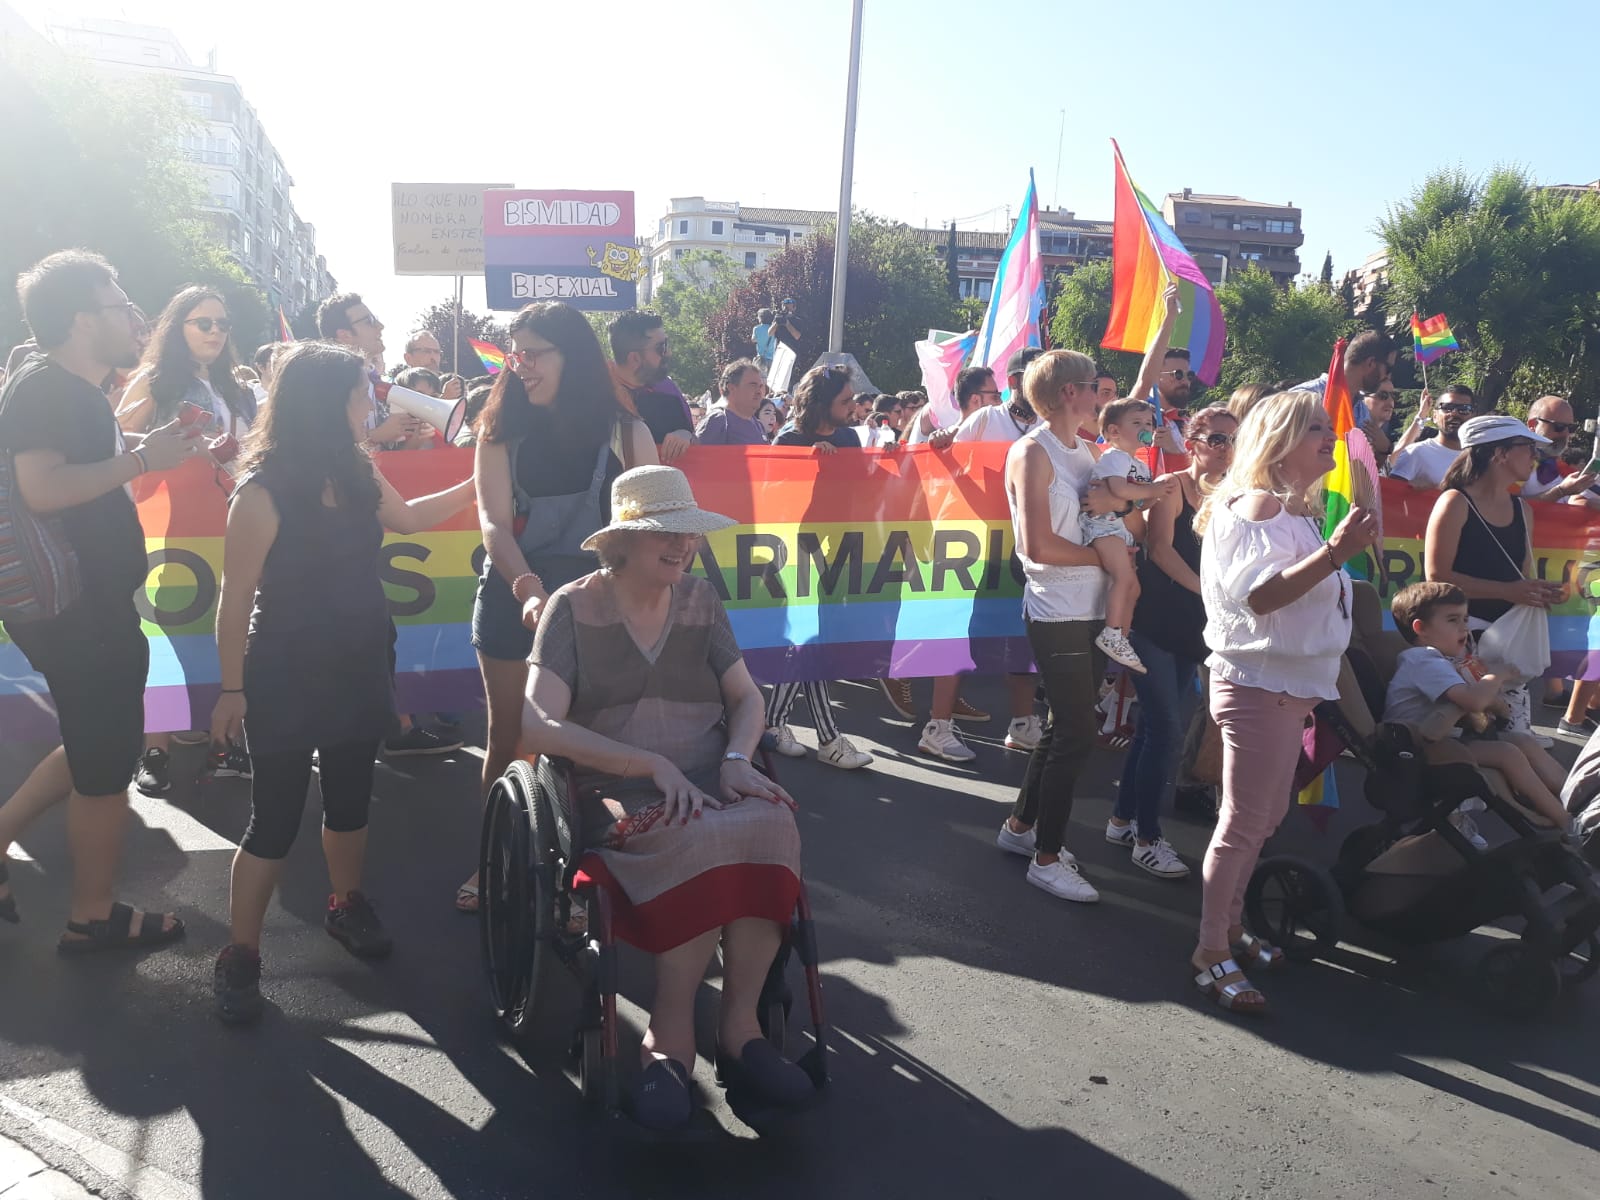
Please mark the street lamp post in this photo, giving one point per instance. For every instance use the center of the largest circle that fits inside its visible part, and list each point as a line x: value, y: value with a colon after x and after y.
x: 841, y: 241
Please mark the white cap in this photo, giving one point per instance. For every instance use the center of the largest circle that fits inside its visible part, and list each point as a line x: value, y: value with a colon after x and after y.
x: 1485, y: 431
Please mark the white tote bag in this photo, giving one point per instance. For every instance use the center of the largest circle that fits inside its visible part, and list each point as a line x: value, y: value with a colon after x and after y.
x: 1520, y: 639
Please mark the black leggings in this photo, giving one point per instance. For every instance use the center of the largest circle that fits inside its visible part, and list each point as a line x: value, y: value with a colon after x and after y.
x: 278, y: 794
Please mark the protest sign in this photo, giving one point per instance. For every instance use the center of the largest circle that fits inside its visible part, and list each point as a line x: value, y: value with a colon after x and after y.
x: 848, y: 566
x: 574, y: 246
x: 782, y: 369
x: 438, y: 228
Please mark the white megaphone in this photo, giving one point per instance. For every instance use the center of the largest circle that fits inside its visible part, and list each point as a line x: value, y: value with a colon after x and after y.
x: 444, y: 415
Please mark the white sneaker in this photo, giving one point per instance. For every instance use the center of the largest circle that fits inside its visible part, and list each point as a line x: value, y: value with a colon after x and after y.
x: 1024, y: 733
x: 1159, y: 858
x: 940, y: 739
x: 1115, y: 647
x: 1122, y: 835
x: 1016, y: 843
x: 841, y: 753
x: 1061, y: 878
x: 1025, y: 844
x: 785, y: 743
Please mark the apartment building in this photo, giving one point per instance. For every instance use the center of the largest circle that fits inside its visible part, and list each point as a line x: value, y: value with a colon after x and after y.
x: 246, y: 182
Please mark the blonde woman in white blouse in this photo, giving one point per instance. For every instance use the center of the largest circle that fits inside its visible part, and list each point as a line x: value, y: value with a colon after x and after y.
x: 1277, y: 621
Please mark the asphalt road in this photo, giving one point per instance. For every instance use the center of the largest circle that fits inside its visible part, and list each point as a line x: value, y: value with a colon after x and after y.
x: 990, y: 1041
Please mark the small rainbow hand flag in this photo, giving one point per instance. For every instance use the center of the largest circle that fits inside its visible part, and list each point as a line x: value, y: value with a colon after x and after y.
x: 285, y: 334
x: 1432, y: 339
x: 492, y: 357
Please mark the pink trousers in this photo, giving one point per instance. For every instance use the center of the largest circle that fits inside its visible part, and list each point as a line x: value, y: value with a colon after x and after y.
x: 1260, y: 747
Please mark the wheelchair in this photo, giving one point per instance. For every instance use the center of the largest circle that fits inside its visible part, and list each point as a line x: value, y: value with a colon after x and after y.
x: 545, y: 920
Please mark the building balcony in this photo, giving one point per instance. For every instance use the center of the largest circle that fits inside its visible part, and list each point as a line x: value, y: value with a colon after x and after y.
x: 213, y: 158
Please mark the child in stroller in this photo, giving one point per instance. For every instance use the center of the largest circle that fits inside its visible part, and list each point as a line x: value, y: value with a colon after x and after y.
x: 1411, y: 877
x: 1432, y: 617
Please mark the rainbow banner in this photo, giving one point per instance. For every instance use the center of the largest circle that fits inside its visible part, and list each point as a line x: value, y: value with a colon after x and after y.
x: 851, y: 566
x: 492, y: 357
x: 1432, y: 339
x: 1146, y: 255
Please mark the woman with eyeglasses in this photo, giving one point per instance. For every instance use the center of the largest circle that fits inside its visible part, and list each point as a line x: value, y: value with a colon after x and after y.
x: 1168, y: 634
x: 551, y: 438
x: 1277, y: 607
x: 189, y: 365
x: 1479, y: 531
x: 824, y: 402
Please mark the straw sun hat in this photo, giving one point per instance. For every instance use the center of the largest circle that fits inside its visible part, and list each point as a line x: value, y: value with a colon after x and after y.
x: 656, y: 500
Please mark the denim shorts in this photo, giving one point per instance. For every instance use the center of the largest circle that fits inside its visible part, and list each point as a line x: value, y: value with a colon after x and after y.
x: 497, y: 628
x: 1096, y: 526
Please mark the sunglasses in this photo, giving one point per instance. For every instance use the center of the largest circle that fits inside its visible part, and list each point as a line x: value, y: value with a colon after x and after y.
x: 1386, y: 395
x: 1557, y: 426
x: 1217, y: 441
x: 1455, y: 409
x: 1179, y: 373
x: 207, y: 324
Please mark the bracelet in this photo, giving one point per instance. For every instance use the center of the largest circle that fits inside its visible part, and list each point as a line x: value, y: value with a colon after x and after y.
x: 144, y: 463
x: 233, y: 691
x: 518, y: 580
x: 1332, y: 561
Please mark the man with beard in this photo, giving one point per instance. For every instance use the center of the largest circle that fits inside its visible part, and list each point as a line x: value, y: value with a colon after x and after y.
x: 1551, y: 417
x: 639, y: 350
x: 347, y: 320
x: 1423, y: 464
x: 68, y: 462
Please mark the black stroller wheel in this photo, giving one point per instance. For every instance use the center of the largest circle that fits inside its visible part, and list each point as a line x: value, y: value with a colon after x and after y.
x: 1580, y: 963
x: 1296, y: 906
x: 1516, y: 980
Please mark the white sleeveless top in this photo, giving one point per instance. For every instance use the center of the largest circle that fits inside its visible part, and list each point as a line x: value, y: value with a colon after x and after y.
x: 1059, y: 593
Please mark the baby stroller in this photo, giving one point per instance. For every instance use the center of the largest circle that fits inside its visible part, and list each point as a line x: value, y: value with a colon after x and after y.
x: 1411, y: 877
x: 545, y: 920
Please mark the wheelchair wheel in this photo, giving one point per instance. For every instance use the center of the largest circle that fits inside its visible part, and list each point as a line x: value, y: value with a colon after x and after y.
x: 1516, y: 980
x: 519, y: 880
x: 1296, y: 906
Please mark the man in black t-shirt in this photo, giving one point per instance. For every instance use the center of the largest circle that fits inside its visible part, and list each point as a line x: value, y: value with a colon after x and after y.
x: 639, y: 349
x: 68, y: 459
x: 786, y: 327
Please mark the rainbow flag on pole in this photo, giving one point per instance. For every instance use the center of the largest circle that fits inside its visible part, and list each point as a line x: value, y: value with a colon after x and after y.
x: 492, y: 357
x: 1146, y: 256
x: 1431, y: 340
x: 1012, y: 320
x: 1338, y: 487
x: 285, y: 334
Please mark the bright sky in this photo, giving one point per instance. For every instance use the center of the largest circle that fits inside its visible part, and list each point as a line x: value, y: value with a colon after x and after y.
x: 744, y: 101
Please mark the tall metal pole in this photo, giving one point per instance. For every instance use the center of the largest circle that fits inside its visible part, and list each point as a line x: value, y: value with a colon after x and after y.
x: 841, y: 241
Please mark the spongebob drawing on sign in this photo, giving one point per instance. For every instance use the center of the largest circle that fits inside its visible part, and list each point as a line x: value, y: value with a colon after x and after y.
x: 623, y: 263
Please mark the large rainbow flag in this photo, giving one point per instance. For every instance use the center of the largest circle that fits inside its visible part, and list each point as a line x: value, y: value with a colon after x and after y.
x: 856, y: 565
x: 1146, y: 255
x: 1338, y: 488
x: 1011, y: 322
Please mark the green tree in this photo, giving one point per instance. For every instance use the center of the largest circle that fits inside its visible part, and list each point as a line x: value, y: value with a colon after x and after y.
x: 1079, y: 315
x: 1327, y: 270
x: 1514, y: 267
x: 896, y: 290
x: 97, y: 164
x: 696, y: 289
x: 1277, y: 333
x: 440, y: 320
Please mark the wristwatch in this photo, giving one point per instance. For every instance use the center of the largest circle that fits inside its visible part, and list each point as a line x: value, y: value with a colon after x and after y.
x: 735, y: 756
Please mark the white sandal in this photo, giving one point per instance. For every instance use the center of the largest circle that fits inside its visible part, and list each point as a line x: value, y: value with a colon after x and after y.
x: 1230, y: 995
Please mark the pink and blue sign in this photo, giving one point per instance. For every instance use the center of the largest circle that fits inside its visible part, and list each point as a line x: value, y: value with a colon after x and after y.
x: 574, y: 246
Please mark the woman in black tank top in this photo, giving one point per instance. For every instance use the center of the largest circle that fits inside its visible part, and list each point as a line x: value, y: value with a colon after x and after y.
x: 1478, y: 533
x: 1169, y: 624
x: 303, y: 638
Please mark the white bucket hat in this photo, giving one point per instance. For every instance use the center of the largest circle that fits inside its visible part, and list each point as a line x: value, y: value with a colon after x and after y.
x: 1491, y: 428
x: 658, y: 500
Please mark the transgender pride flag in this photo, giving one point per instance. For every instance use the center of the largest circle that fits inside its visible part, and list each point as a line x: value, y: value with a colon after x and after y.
x: 1012, y: 321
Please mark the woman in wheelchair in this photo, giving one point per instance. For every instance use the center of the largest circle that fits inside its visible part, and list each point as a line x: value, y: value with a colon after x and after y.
x: 637, y: 680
